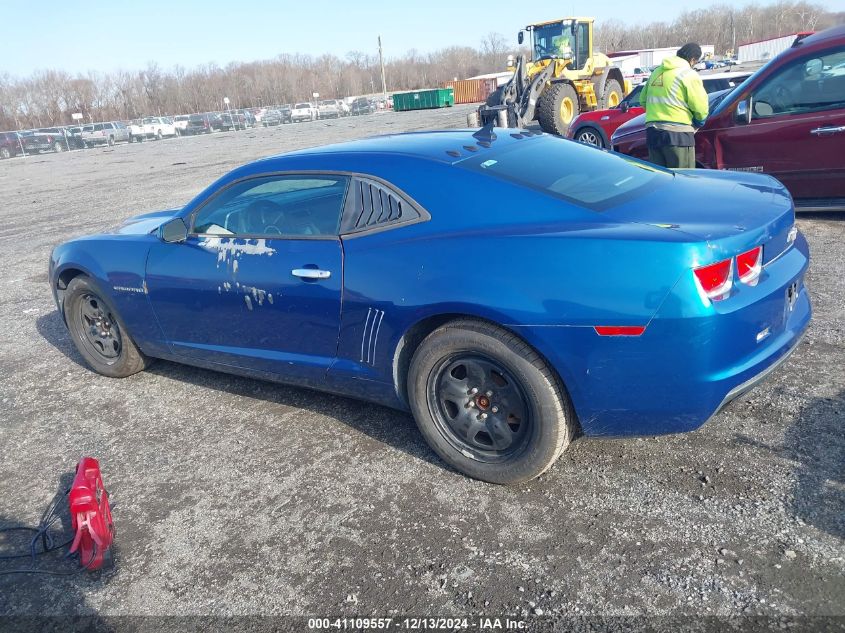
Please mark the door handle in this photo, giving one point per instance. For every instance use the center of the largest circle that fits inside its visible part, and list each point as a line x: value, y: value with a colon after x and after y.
x: 311, y: 273
x: 828, y: 130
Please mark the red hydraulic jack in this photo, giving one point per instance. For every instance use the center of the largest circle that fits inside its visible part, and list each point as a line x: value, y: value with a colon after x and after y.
x: 90, y: 515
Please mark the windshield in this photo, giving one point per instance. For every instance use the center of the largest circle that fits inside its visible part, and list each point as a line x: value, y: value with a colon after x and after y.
x: 551, y: 40
x: 301, y: 106
x: 565, y: 169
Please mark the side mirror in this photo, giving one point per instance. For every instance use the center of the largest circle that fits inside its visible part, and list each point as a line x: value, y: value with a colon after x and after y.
x: 624, y: 107
x: 743, y: 112
x: 520, y: 38
x: 173, y: 231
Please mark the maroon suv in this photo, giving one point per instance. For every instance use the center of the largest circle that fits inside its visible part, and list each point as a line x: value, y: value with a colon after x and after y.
x: 10, y: 144
x: 787, y: 120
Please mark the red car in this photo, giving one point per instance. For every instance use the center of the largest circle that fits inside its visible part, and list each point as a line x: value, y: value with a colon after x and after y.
x: 787, y: 120
x: 596, y: 128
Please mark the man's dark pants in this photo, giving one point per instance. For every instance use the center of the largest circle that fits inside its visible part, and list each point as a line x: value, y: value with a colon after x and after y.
x: 672, y: 156
x: 671, y: 149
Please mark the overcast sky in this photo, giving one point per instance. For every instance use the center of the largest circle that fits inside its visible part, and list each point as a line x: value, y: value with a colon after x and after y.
x: 100, y: 35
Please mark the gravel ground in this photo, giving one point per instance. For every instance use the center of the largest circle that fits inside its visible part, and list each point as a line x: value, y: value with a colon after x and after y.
x: 235, y: 496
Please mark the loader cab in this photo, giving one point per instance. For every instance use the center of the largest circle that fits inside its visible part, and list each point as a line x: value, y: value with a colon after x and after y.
x: 570, y: 39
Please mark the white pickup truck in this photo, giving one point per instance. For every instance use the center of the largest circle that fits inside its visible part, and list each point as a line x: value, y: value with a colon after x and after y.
x: 152, y: 127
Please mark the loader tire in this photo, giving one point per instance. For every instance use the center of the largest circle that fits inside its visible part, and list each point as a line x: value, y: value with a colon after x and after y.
x: 557, y: 108
x: 612, y: 95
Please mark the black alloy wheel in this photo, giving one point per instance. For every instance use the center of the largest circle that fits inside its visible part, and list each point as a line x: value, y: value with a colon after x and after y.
x: 487, y: 403
x: 478, y: 404
x: 98, y: 332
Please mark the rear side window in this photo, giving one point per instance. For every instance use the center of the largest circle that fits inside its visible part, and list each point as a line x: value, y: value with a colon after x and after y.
x: 98, y: 127
x: 372, y: 205
x: 568, y: 170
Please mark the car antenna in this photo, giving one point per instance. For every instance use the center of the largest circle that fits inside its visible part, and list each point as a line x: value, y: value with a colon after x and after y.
x: 486, y: 133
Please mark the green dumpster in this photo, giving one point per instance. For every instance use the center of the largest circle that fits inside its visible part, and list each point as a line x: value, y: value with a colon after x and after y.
x: 424, y: 99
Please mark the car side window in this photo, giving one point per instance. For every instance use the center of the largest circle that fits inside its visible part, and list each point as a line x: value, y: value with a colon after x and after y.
x: 275, y: 206
x: 807, y: 85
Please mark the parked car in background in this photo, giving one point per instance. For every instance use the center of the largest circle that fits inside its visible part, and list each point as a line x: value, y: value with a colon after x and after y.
x: 246, y: 116
x: 152, y: 127
x: 51, y: 139
x: 10, y: 144
x: 229, y: 121
x: 638, y: 76
x: 271, y: 118
x: 361, y: 105
x: 786, y: 120
x: 596, y: 128
x: 303, y: 112
x: 107, y: 133
x: 329, y: 109
x: 181, y: 122
x: 201, y: 123
x: 330, y: 267
x: 74, y: 137
x: 285, y: 111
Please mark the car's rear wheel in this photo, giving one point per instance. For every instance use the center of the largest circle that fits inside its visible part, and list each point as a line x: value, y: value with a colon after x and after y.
x: 5, y: 152
x: 111, y: 141
x: 98, y: 332
x: 488, y: 404
x: 58, y: 147
x: 590, y: 136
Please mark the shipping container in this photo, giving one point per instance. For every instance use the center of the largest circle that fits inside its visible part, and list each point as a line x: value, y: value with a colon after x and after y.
x: 472, y: 90
x: 423, y: 99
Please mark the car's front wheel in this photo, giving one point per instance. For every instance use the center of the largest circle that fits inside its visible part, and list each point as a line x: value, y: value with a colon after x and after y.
x: 98, y: 333
x: 488, y: 404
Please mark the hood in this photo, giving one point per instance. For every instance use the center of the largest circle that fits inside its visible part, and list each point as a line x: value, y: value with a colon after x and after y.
x: 144, y: 223
x: 637, y: 124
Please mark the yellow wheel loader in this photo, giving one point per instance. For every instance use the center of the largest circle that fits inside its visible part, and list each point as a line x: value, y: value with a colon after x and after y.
x: 562, y: 78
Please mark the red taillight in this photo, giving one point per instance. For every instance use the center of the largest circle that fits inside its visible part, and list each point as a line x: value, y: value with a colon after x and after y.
x: 715, y: 279
x: 749, y: 265
x: 619, y: 330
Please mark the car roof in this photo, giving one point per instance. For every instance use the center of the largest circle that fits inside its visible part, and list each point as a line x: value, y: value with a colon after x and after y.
x: 822, y: 37
x: 448, y: 146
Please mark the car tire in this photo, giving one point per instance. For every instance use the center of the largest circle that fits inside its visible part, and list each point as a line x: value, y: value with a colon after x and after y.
x: 5, y: 152
x: 557, y: 107
x: 611, y: 95
x: 58, y: 147
x: 111, y: 141
x: 589, y: 136
x: 159, y: 135
x: 528, y: 419
x: 98, y: 332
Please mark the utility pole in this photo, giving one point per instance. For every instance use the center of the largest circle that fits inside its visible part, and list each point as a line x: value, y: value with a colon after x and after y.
x: 383, y: 82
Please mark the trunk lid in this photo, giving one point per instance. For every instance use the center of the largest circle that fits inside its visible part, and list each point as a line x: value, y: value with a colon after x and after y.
x: 729, y: 210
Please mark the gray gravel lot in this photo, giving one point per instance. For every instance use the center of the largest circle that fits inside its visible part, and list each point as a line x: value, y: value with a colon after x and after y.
x: 236, y: 496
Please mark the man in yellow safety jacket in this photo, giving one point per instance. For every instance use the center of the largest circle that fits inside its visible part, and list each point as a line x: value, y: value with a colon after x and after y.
x: 675, y: 105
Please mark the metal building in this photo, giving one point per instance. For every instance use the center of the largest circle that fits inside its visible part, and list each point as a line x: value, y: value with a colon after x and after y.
x: 764, y: 50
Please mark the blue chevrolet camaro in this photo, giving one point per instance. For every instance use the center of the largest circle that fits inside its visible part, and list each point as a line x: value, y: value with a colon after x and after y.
x: 510, y: 289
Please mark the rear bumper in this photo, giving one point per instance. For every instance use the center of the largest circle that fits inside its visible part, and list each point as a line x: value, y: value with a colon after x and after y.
x: 691, y: 361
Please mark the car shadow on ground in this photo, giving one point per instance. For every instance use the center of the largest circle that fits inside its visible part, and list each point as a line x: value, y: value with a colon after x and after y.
x: 48, y: 596
x: 388, y: 426
x: 816, y: 443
